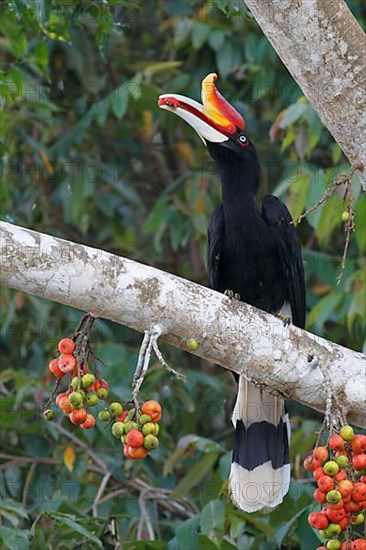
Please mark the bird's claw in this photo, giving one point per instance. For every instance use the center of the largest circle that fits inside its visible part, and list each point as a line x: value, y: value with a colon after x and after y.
x: 231, y: 294
x: 286, y: 319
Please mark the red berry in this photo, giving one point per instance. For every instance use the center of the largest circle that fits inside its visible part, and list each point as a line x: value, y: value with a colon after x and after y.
x: 54, y: 368
x: 318, y: 520
x: 340, y: 476
x: 325, y: 483
x: 137, y: 452
x: 59, y: 398
x: 336, y: 442
x: 359, y: 461
x: 135, y: 438
x: 122, y: 417
x: 78, y: 416
x: 358, y: 444
x: 66, y: 363
x: 319, y: 496
x: 310, y: 463
x: 359, y: 491
x: 66, y: 346
x: 100, y: 383
x: 317, y: 473
x: 89, y: 422
x: 321, y: 453
x: 335, y: 516
x: 344, y: 523
x: 153, y: 409
x: 353, y: 506
x: 359, y: 544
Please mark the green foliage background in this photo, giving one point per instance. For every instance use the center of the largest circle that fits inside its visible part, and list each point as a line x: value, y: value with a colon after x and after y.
x: 87, y: 155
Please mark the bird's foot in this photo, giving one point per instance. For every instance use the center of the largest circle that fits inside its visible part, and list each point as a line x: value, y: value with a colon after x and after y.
x: 231, y: 294
x: 286, y: 319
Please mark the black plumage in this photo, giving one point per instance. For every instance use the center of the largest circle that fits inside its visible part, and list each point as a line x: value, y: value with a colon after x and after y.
x: 254, y: 253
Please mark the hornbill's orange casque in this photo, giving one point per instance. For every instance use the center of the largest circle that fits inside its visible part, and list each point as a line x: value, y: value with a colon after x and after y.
x: 257, y: 255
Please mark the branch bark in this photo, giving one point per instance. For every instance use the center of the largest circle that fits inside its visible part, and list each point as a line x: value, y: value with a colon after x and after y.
x: 324, y: 48
x: 235, y: 335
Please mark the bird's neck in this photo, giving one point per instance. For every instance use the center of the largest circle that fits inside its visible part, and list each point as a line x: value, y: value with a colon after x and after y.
x: 239, y: 184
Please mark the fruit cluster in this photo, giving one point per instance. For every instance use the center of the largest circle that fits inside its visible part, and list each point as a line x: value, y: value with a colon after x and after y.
x: 339, y: 470
x: 84, y: 392
x: 137, y: 430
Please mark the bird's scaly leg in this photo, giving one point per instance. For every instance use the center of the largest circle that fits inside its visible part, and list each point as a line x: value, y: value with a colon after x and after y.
x: 286, y: 319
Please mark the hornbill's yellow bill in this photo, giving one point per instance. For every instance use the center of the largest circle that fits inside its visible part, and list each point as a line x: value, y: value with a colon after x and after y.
x: 214, y: 120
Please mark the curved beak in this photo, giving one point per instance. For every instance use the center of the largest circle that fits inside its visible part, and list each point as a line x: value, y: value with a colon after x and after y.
x: 214, y: 120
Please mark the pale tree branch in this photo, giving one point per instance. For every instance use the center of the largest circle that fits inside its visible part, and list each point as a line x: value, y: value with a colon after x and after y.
x: 324, y: 49
x: 278, y: 358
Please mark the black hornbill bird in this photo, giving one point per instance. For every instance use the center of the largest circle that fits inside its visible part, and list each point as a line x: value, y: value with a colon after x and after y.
x: 255, y: 254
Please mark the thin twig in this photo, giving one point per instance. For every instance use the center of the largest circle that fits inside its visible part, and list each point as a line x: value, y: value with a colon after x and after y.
x: 162, y: 361
x: 144, y: 518
x: 344, y: 179
x: 28, y: 480
x: 100, y: 492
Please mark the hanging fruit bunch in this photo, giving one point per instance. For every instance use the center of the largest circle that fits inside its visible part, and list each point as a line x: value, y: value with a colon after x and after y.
x: 339, y: 469
x: 137, y: 427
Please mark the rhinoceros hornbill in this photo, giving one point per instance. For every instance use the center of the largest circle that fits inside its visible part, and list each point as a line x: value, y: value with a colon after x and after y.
x: 255, y: 255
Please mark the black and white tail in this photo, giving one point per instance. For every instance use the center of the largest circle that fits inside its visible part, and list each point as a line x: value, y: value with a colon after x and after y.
x: 260, y: 469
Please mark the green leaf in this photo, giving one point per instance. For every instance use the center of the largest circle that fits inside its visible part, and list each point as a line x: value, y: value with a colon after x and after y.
x: 360, y: 222
x: 213, y: 518
x: 322, y: 310
x: 315, y: 193
x: 292, y: 114
x: 228, y: 58
x: 69, y: 522
x: 298, y: 194
x: 216, y: 39
x: 14, y: 539
x: 283, y: 529
x: 195, y: 474
x: 330, y: 218
x: 187, y: 533
x: 200, y: 33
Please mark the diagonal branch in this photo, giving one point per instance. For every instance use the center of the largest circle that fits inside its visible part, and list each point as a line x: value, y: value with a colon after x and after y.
x: 323, y: 47
x: 278, y: 358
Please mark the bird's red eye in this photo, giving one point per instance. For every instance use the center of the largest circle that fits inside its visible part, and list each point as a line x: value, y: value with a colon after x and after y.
x: 243, y: 140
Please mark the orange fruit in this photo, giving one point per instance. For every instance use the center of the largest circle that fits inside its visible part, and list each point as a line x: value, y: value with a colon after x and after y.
x: 153, y: 409
x: 137, y: 452
x: 66, y: 363
x: 134, y: 438
x: 78, y: 416
x: 89, y: 422
x: 66, y: 346
x: 55, y: 369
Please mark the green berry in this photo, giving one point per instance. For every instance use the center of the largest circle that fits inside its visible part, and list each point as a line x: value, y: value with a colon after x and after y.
x: 151, y: 442
x: 49, y: 415
x: 345, y: 216
x: 115, y: 408
x: 102, y: 393
x: 128, y: 426
x: 342, y: 461
x: 347, y: 433
x: 333, y: 496
x: 91, y: 399
x: 192, y: 344
x: 75, y: 398
x: 144, y: 418
x: 104, y: 415
x: 157, y: 428
x: 333, y: 529
x: 149, y: 428
x: 359, y: 519
x: 334, y: 544
x: 124, y: 439
x: 75, y: 383
x: 331, y: 468
x: 118, y: 429
x: 88, y: 380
